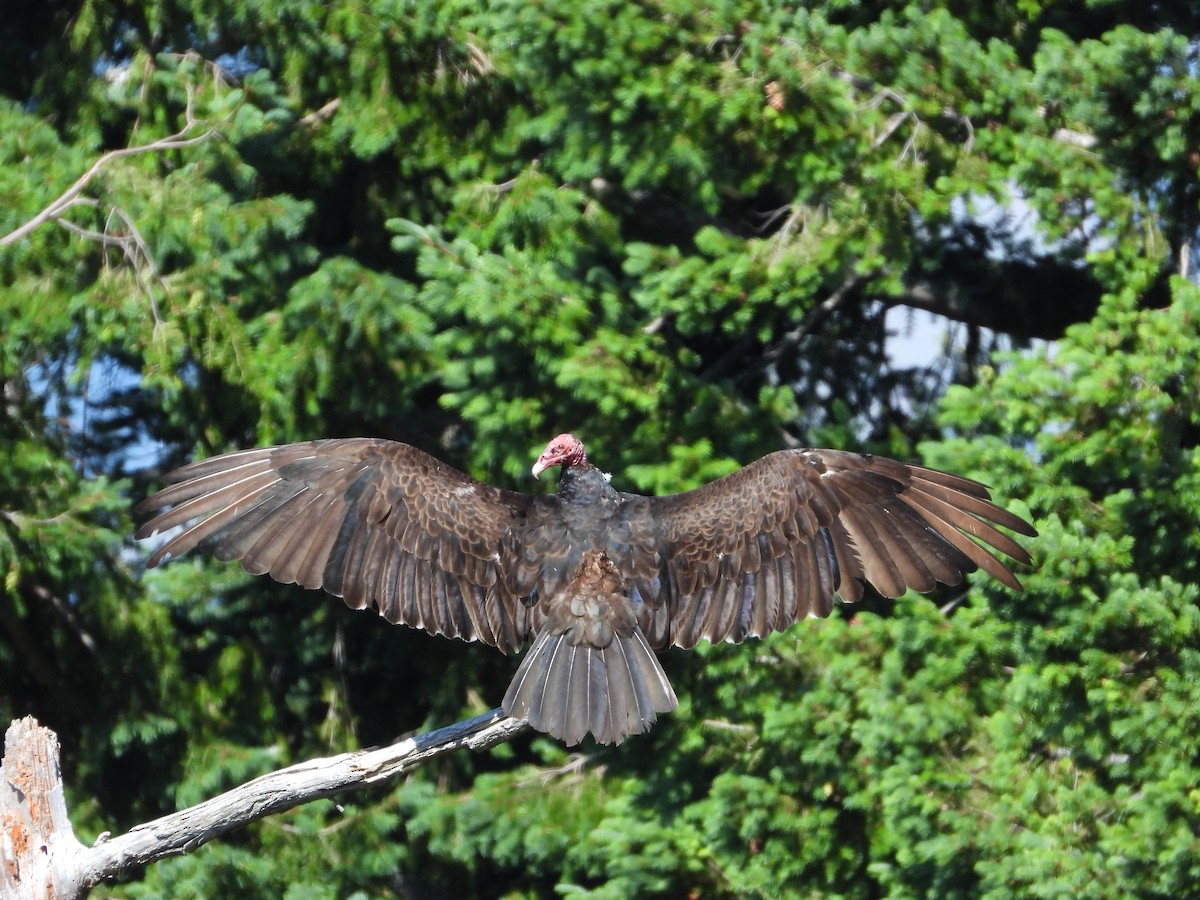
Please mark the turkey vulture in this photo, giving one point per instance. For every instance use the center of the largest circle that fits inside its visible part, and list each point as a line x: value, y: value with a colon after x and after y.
x: 596, y: 578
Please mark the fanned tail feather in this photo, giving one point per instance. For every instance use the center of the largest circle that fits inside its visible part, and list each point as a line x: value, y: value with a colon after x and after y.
x: 569, y: 689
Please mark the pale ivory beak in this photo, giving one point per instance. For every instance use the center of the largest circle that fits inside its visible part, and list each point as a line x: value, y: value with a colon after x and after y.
x: 538, y: 468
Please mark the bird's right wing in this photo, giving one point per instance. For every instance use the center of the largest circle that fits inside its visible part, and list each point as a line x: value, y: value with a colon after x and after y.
x: 378, y: 523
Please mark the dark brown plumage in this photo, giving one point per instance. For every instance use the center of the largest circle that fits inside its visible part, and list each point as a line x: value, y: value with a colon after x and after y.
x: 598, y: 579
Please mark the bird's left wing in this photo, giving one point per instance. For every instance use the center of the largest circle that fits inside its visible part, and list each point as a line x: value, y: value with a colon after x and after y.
x: 379, y: 523
x: 772, y: 543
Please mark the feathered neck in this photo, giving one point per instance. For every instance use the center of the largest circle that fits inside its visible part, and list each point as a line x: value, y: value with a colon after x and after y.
x: 584, y: 484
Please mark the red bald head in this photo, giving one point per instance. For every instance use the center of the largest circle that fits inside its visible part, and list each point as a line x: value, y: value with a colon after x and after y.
x: 564, y: 450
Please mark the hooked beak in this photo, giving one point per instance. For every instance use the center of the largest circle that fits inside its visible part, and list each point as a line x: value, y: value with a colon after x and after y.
x: 539, y: 467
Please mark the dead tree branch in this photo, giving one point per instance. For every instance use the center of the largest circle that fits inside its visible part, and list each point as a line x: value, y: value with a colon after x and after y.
x: 813, y: 319
x: 71, y: 197
x: 37, y: 845
x: 40, y: 857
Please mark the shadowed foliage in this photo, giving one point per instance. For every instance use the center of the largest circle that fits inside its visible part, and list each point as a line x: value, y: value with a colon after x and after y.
x: 692, y: 233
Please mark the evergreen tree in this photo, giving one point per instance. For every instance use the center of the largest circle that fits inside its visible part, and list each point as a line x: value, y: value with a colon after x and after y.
x: 678, y: 229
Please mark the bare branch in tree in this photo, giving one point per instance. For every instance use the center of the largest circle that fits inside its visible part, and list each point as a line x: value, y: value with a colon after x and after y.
x: 819, y: 313
x: 38, y: 848
x: 322, y: 115
x: 40, y: 857
x: 185, y: 137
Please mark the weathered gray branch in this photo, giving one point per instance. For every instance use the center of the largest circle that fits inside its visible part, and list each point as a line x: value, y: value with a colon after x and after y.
x: 71, y: 196
x: 37, y: 845
x: 40, y: 857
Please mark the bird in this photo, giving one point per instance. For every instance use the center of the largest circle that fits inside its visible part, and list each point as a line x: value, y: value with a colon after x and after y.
x: 597, y: 580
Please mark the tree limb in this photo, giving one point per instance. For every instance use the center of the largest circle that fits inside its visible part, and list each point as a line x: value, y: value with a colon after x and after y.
x: 819, y: 313
x: 185, y: 137
x: 37, y: 845
x: 1026, y: 299
x: 69, y: 870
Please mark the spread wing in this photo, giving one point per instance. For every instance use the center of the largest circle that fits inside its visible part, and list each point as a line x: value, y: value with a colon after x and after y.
x: 378, y: 523
x: 772, y: 543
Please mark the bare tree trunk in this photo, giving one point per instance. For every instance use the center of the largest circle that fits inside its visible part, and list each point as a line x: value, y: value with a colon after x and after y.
x: 40, y: 859
x: 38, y: 851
